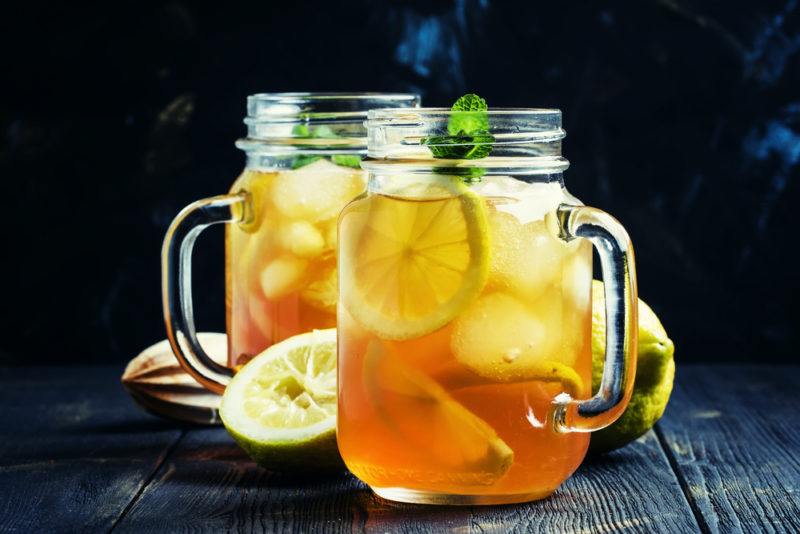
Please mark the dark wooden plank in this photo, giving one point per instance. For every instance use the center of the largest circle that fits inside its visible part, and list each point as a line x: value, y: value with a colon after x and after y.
x: 630, y: 490
x: 74, y: 450
x: 733, y: 435
x: 207, y: 484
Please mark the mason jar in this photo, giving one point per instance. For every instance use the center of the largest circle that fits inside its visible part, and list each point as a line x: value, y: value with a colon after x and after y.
x: 303, y: 154
x: 465, y: 311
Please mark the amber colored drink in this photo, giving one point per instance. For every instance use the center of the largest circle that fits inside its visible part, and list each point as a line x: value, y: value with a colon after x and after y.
x: 461, y: 413
x: 281, y: 263
x: 303, y: 155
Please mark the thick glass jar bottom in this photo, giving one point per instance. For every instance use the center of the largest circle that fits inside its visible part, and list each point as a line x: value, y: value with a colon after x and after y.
x: 427, y: 497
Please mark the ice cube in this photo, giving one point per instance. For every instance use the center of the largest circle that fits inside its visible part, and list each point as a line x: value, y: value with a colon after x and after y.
x: 316, y: 192
x: 525, y: 258
x: 282, y: 276
x: 500, y: 186
x: 322, y: 291
x: 534, y: 202
x: 302, y: 239
x: 500, y: 338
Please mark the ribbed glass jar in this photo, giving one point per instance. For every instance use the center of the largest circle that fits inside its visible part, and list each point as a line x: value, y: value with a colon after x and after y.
x: 465, y: 311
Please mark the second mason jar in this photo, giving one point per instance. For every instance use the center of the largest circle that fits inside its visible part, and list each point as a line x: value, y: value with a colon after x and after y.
x: 303, y: 165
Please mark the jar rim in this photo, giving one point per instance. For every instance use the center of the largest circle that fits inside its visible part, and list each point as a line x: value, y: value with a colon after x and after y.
x: 314, y: 122
x: 430, y: 111
x: 299, y: 96
x: 267, y: 108
x: 538, y: 123
x: 526, y: 139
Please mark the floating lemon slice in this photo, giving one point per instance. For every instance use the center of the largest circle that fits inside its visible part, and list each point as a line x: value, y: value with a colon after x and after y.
x: 453, y: 377
x: 412, y: 265
x: 443, y: 433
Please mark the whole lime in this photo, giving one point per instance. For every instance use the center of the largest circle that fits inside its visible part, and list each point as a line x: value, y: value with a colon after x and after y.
x: 655, y: 371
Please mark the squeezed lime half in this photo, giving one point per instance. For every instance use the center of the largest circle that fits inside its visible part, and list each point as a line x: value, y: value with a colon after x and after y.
x: 281, y: 406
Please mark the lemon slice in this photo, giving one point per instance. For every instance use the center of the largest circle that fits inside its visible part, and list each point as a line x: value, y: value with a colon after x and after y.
x: 453, y: 377
x: 442, y: 434
x: 281, y: 406
x: 413, y: 265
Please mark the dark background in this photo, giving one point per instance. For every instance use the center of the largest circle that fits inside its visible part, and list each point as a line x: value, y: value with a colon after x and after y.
x: 683, y: 120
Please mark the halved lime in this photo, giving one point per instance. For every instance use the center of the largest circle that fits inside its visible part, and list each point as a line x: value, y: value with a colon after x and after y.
x: 281, y: 406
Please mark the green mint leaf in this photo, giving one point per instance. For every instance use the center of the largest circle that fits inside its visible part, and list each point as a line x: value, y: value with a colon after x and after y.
x: 347, y: 160
x: 470, y: 102
x: 301, y: 130
x: 439, y: 149
x: 323, y: 132
x: 302, y: 161
x: 460, y: 146
x: 317, y: 132
x: 481, y: 148
x: 468, y: 129
x: 469, y: 116
x: 464, y: 123
x: 468, y: 137
x: 304, y: 132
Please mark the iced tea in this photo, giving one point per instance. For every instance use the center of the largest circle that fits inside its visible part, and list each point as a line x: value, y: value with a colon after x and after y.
x: 463, y: 315
x: 281, y: 264
x: 303, y: 164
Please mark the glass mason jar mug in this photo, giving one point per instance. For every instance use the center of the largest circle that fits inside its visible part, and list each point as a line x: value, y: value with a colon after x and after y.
x: 464, y: 319
x: 303, y: 165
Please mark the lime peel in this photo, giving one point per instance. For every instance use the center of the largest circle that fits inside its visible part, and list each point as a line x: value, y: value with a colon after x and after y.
x: 655, y: 373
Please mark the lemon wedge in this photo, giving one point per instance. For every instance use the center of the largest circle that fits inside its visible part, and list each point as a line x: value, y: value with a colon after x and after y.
x: 448, y: 436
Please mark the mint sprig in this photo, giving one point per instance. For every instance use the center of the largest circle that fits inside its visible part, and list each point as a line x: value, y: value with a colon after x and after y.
x: 347, y: 160
x: 302, y: 161
x: 469, y: 116
x: 468, y: 137
x: 468, y: 131
x: 303, y: 131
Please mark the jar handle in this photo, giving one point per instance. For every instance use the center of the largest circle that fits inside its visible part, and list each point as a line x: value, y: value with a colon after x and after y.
x: 176, y: 283
x: 619, y: 276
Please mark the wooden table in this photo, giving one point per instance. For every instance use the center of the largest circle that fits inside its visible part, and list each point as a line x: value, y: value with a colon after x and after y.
x: 77, y: 455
